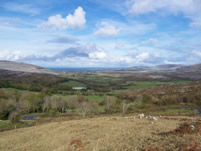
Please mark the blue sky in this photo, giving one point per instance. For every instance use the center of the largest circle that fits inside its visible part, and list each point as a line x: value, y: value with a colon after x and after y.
x: 100, y: 33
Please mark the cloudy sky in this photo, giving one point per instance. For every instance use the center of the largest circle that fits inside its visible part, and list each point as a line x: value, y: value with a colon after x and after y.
x: 100, y: 33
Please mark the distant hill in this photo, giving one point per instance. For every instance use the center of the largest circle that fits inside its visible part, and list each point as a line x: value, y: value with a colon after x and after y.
x: 190, y: 68
x: 158, y: 68
x: 167, y: 67
x: 138, y: 68
x: 169, y: 71
x: 27, y: 77
x: 22, y: 67
x: 164, y: 67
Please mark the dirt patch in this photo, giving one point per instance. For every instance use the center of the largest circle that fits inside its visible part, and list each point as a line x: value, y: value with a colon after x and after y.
x: 188, y: 128
x: 76, y: 145
x: 192, y: 147
x: 152, y: 149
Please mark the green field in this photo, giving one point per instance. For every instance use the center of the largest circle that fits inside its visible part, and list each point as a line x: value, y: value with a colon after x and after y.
x: 151, y: 84
x: 73, y: 84
x: 91, y: 98
x: 6, y: 125
x: 95, y: 98
x: 13, y: 90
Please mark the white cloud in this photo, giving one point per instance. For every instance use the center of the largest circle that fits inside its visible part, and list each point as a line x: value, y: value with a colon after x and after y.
x: 138, y: 59
x: 141, y: 57
x: 106, y: 29
x: 173, y: 6
x: 189, y: 8
x: 13, y: 56
x: 197, y: 53
x: 196, y: 24
x: 109, y: 28
x: 97, y: 55
x: 171, y: 62
x: 77, y: 20
x: 22, y: 8
x: 126, y: 59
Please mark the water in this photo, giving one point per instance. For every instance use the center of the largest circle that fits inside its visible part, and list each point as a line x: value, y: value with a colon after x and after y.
x: 80, y: 69
x: 199, y: 111
x: 193, y: 108
x: 30, y: 117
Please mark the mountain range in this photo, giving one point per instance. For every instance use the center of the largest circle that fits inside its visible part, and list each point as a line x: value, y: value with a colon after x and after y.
x: 167, y: 68
x: 165, y: 71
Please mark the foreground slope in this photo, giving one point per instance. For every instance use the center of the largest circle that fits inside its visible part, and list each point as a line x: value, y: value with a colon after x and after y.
x: 103, y: 133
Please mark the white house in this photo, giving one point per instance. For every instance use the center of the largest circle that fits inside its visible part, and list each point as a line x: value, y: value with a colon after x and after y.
x: 79, y: 88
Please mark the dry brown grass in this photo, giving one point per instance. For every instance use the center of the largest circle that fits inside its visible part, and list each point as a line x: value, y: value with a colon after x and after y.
x: 98, y: 134
x: 186, y: 128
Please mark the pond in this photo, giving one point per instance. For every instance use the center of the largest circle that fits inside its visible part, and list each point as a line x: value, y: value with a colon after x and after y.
x: 30, y: 117
x: 193, y: 108
x: 199, y: 111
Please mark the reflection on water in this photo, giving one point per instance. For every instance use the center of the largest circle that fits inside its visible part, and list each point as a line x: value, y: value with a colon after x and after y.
x: 30, y: 117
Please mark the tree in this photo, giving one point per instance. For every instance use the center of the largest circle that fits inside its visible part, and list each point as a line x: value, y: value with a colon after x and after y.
x: 124, y: 106
x: 46, y: 104
x: 36, y: 101
x: 109, y: 103
x: 84, y: 108
x: 14, y: 117
x: 6, y: 107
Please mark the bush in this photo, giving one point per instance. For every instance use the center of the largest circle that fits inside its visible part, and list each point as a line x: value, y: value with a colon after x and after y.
x: 7, y: 107
x: 147, y: 98
x: 14, y: 117
x: 53, y: 112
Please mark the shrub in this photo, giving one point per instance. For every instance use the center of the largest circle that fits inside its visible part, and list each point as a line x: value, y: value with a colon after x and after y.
x: 14, y: 117
x: 147, y: 98
x: 53, y: 112
x: 109, y: 103
x: 6, y: 107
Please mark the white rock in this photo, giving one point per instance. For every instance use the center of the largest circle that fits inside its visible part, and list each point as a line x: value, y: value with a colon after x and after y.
x: 141, y: 116
x: 192, y: 127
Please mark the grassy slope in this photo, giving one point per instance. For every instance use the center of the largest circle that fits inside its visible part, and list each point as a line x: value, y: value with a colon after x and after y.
x: 6, y: 125
x: 103, y: 133
x: 73, y: 84
x: 95, y: 98
x: 151, y: 84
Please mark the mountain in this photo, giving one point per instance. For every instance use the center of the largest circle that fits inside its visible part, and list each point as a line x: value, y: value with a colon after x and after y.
x: 168, y: 72
x: 27, y: 77
x: 22, y: 67
x: 191, y: 68
x: 164, y: 67
x: 138, y: 68
x: 167, y: 67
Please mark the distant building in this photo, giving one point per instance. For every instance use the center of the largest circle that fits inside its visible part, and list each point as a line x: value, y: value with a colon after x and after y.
x: 79, y: 88
x: 90, y: 90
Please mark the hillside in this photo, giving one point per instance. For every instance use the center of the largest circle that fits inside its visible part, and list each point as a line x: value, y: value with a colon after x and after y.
x: 103, y: 133
x: 167, y: 67
x: 26, y: 76
x: 163, y: 67
x: 191, y: 68
x: 22, y: 67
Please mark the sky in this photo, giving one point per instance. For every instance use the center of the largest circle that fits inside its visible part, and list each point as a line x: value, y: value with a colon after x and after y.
x: 100, y: 33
